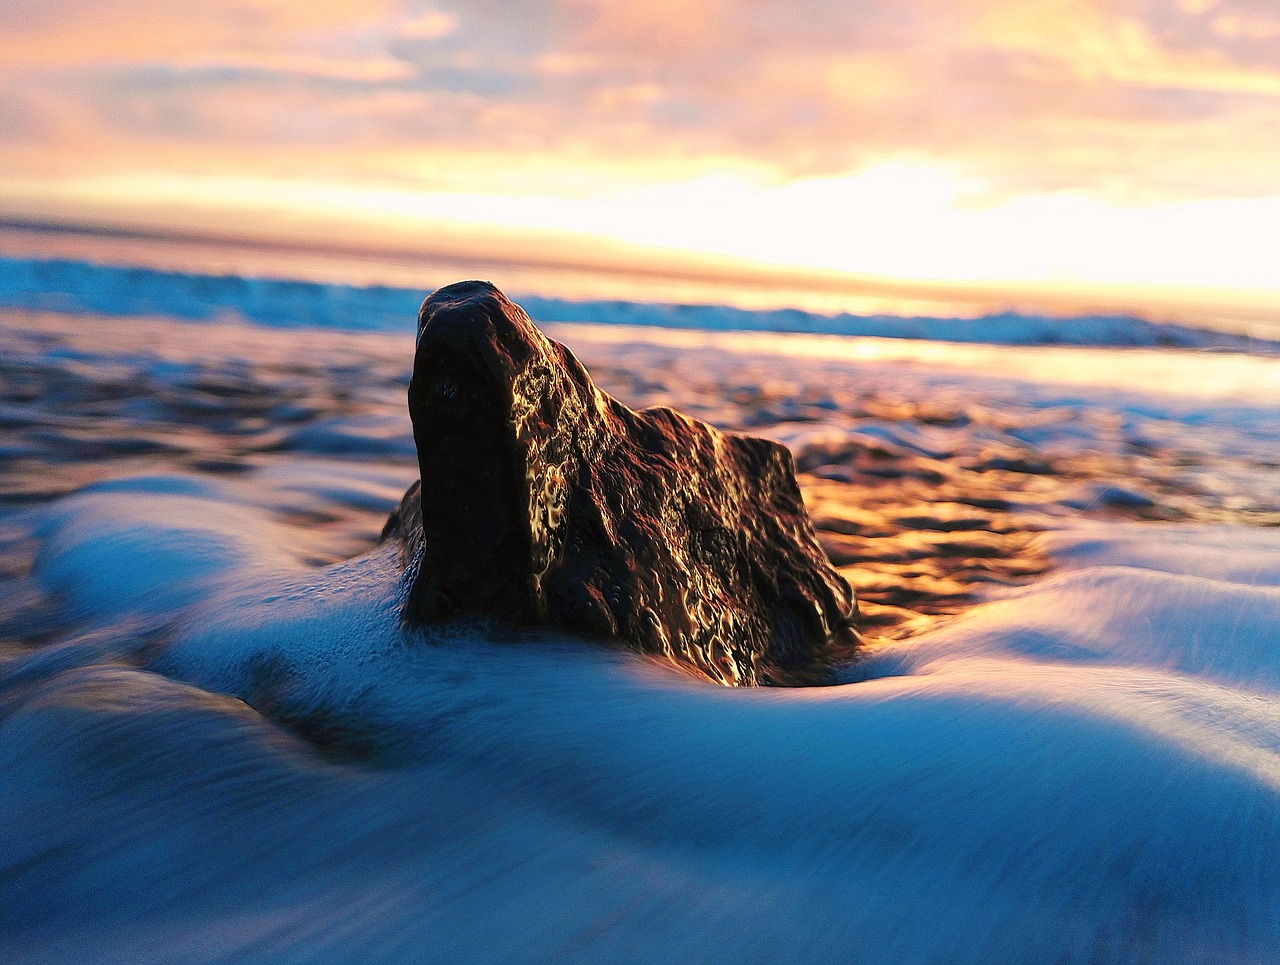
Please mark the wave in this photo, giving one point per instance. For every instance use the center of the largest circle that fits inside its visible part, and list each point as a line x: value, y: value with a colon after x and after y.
x: 219, y: 744
x: 83, y: 287
x: 1086, y: 769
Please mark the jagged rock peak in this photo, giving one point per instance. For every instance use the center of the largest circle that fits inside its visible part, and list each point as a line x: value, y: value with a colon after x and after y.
x: 543, y: 501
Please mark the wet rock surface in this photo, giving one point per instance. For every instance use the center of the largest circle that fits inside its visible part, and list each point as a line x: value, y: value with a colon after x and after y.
x: 544, y: 501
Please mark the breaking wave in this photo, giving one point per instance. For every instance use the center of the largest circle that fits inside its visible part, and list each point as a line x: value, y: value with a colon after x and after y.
x: 84, y: 287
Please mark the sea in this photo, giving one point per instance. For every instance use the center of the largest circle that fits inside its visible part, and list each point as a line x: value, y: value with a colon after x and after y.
x: 1061, y: 742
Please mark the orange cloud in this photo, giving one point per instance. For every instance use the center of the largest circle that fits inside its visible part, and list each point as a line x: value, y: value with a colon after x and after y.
x: 68, y: 33
x: 1125, y: 100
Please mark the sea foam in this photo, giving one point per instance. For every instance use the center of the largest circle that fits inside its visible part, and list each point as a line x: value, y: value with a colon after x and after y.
x: 1025, y: 782
x: 224, y: 747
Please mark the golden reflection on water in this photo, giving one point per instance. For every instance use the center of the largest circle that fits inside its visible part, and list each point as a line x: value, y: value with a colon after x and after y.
x: 1201, y: 375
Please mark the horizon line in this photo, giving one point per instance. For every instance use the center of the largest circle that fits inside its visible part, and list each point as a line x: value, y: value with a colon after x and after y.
x: 621, y: 260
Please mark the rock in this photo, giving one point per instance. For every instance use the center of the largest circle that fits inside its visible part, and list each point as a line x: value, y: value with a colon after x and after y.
x: 543, y: 501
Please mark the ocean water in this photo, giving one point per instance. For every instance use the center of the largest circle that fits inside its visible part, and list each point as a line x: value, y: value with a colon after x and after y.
x: 1062, y: 744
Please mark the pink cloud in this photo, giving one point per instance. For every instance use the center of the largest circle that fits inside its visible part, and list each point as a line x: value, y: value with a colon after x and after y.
x: 1135, y: 97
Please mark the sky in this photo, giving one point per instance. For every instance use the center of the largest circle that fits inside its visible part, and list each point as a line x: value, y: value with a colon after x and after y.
x: 1071, y: 144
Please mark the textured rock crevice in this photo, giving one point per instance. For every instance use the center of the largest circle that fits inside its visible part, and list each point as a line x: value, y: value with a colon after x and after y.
x: 543, y: 501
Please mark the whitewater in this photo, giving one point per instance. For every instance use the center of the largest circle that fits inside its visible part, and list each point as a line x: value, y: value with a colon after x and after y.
x: 219, y: 745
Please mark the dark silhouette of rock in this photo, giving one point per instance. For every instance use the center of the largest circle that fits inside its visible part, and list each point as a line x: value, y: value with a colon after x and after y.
x: 543, y: 501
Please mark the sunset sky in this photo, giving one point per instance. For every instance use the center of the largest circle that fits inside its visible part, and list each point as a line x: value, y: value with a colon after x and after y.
x: 1126, y: 142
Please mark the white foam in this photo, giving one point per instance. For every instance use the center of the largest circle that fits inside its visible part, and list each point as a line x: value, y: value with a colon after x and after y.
x: 1084, y: 770
x: 153, y: 543
x: 1231, y: 554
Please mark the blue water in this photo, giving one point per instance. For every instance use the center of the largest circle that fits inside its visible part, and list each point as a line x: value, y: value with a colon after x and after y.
x: 219, y: 745
x: 76, y: 286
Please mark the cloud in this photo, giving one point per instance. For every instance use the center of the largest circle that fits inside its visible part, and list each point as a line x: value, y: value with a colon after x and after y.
x: 1129, y: 98
x: 67, y: 34
x: 429, y: 25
